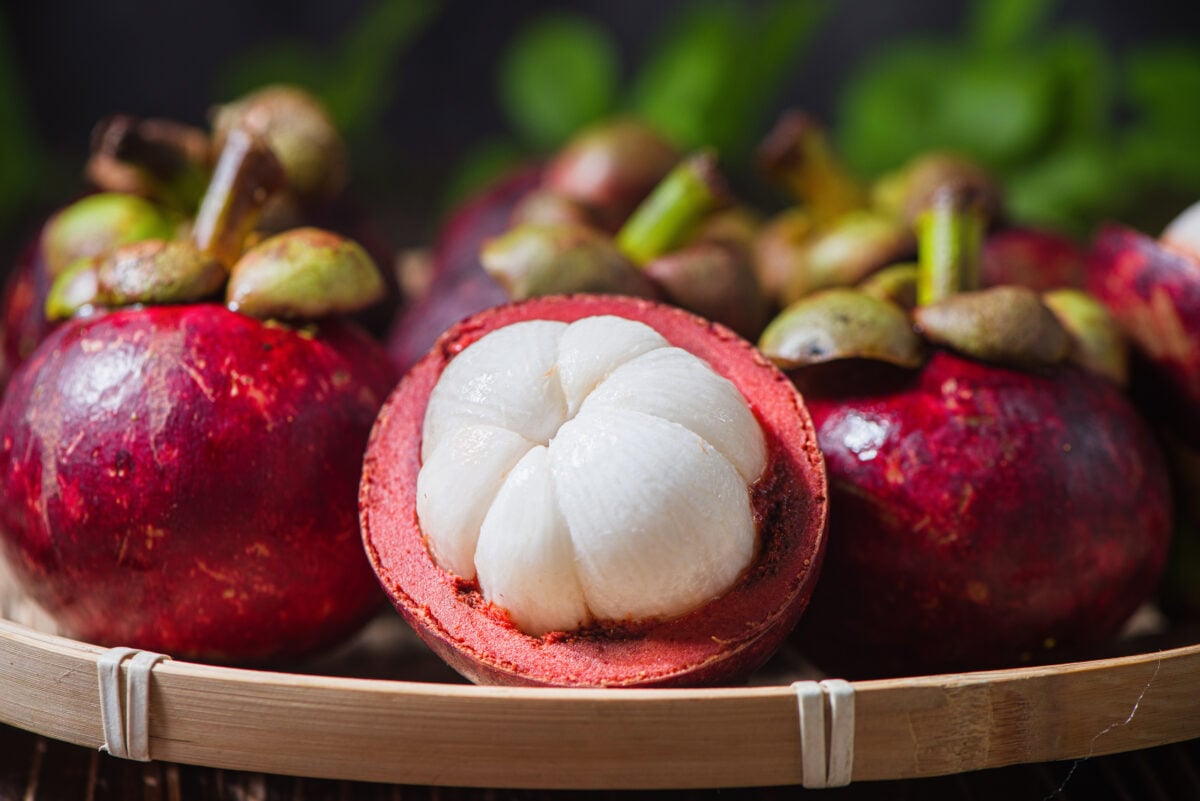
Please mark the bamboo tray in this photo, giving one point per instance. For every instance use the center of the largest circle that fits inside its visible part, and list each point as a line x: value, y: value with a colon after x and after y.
x: 442, y: 733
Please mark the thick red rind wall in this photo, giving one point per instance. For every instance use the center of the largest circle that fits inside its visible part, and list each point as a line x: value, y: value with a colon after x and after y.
x: 722, y: 641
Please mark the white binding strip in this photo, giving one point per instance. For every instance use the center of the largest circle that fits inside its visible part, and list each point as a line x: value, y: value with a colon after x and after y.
x: 841, y: 731
x: 126, y: 727
x: 826, y: 762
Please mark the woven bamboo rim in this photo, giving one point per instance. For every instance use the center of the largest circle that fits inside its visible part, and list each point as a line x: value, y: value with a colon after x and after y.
x: 455, y: 735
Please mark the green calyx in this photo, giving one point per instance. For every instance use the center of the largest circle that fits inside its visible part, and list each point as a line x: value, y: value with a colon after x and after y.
x: 300, y: 132
x: 99, y: 223
x: 151, y: 272
x: 838, y: 324
x: 896, y: 284
x: 1097, y: 343
x: 532, y: 260
x: 1006, y: 325
x: 304, y: 273
x: 845, y: 252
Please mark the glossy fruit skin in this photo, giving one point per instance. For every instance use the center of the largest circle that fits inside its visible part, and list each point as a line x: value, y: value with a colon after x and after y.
x: 981, y: 517
x: 723, y: 641
x: 1036, y: 258
x: 1153, y: 293
x: 460, y: 286
x: 182, y: 479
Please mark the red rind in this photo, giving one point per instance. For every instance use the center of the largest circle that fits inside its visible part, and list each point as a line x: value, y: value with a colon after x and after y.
x: 183, y: 479
x: 982, y: 517
x: 1153, y: 292
x: 1039, y: 259
x: 723, y: 640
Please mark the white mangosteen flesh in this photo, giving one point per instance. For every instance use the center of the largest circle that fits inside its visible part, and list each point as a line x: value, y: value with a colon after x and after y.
x: 588, y: 473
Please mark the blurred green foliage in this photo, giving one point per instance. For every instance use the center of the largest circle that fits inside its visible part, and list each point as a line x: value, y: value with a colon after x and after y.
x: 1076, y: 134
x: 22, y: 161
x: 711, y: 78
x: 559, y: 74
x: 354, y: 79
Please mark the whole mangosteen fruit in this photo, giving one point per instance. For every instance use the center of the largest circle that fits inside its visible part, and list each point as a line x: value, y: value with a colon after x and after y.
x: 992, y: 503
x: 147, y: 177
x: 181, y: 456
x: 595, y: 490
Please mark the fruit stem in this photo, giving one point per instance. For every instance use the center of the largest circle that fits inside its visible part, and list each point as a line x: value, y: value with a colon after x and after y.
x: 246, y: 175
x: 797, y: 156
x: 950, y: 243
x: 671, y: 211
x: 161, y: 158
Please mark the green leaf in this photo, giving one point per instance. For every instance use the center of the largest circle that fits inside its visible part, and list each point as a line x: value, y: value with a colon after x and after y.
x: 558, y: 75
x: 1163, y: 83
x: 679, y: 89
x: 1083, y: 75
x: 360, y: 84
x: 281, y: 61
x: 996, y: 110
x: 354, y: 81
x: 773, y: 41
x: 1001, y: 25
x: 1069, y: 189
x: 887, y: 110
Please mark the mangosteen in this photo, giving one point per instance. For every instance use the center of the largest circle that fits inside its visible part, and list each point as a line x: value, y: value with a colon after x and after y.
x: 616, y: 211
x: 685, y: 244
x: 179, y: 459
x: 993, y: 502
x: 595, y: 490
x: 147, y: 178
x: 1152, y: 288
x: 841, y: 232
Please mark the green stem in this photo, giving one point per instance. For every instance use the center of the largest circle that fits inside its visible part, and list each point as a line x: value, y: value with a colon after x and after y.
x: 246, y: 176
x: 950, y: 244
x: 665, y: 218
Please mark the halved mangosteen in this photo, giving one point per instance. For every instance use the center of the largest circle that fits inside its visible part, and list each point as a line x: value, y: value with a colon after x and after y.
x: 595, y: 491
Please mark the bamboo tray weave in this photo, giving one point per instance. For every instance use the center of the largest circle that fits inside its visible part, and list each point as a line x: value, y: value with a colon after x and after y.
x: 458, y: 735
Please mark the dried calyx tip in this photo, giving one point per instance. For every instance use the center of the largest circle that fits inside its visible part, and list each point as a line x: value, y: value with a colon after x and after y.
x: 796, y: 154
x: 782, y: 150
x: 155, y: 157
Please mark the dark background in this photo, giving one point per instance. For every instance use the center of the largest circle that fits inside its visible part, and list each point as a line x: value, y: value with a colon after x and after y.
x: 73, y: 61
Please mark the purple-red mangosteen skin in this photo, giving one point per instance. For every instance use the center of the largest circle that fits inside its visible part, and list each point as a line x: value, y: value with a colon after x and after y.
x: 460, y: 286
x: 23, y: 321
x: 1036, y: 258
x: 1154, y: 294
x: 980, y: 517
x: 183, y: 479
